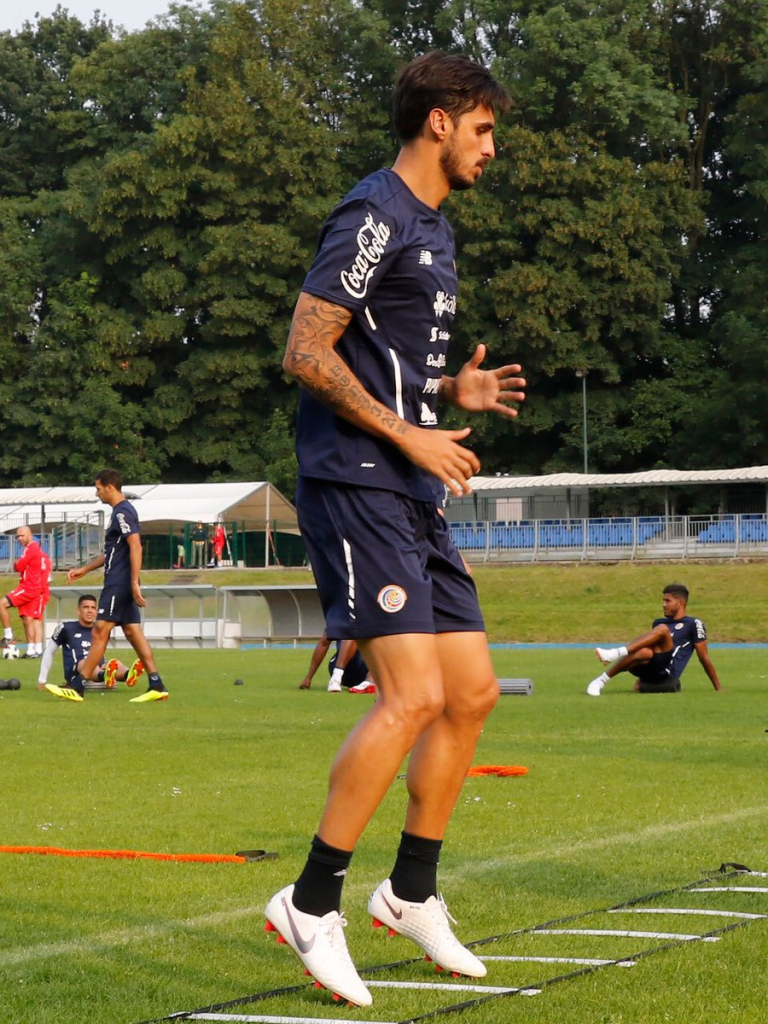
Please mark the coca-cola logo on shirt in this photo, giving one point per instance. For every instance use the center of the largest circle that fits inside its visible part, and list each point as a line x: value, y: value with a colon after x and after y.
x: 372, y: 240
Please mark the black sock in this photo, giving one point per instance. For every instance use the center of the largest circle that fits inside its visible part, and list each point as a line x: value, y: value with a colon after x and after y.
x: 77, y: 683
x: 414, y: 876
x: 318, y: 887
x: 100, y: 675
x: 155, y: 682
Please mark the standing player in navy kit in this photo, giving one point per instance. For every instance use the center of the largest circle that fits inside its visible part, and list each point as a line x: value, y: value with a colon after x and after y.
x: 368, y: 343
x: 658, y: 658
x: 121, y: 597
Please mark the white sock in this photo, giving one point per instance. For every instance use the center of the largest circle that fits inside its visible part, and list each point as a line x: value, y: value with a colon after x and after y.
x: 337, y: 675
x: 8, y: 633
x: 603, y: 677
x: 621, y: 652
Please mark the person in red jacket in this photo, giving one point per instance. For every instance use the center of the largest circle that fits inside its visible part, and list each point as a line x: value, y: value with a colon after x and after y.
x: 219, y: 540
x: 25, y: 598
x: 35, y: 641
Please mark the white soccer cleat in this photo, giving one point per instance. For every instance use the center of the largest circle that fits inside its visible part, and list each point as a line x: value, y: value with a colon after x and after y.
x: 320, y: 945
x: 427, y: 924
x: 606, y: 654
x: 334, y: 686
x: 595, y: 688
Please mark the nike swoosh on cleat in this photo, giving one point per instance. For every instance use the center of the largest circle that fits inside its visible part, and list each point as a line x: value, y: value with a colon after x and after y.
x: 304, y: 945
x: 397, y: 914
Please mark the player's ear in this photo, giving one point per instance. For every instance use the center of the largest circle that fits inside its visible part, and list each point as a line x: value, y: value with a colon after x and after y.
x: 438, y: 123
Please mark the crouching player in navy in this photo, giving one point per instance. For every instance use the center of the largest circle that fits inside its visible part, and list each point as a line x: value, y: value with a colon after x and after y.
x: 346, y: 668
x: 74, y: 641
x: 368, y: 346
x: 658, y: 658
x: 121, y: 599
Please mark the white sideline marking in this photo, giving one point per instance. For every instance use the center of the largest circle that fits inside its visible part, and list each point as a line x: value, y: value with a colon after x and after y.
x: 626, y: 935
x: 731, y: 888
x: 579, y: 847
x: 124, y: 936
x: 494, y: 990
x: 688, y: 910
x: 589, y: 961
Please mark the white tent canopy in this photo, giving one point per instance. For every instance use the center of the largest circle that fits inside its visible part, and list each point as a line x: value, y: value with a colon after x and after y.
x: 160, y: 506
x: 649, y: 478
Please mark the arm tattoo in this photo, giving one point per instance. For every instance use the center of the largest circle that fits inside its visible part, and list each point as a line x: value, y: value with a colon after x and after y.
x: 311, y: 358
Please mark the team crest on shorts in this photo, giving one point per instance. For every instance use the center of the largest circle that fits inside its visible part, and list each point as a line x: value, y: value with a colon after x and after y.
x: 391, y: 598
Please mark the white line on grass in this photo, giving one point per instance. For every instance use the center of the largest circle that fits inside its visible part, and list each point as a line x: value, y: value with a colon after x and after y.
x: 731, y: 888
x: 437, y: 986
x: 123, y: 936
x: 587, y: 960
x: 630, y: 839
x: 624, y: 934
x: 686, y: 910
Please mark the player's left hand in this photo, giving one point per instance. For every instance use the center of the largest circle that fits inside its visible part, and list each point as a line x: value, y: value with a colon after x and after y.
x: 138, y: 597
x: 487, y: 390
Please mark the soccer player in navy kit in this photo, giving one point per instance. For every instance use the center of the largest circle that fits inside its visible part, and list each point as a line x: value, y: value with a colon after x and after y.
x: 658, y: 658
x: 121, y: 597
x: 74, y: 639
x: 346, y: 667
x: 368, y: 345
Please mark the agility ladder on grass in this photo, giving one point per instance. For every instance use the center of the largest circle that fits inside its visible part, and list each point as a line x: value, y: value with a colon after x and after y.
x: 486, y: 993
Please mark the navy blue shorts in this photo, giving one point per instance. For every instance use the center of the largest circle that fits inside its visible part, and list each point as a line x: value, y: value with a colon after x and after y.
x: 657, y: 668
x: 116, y: 604
x: 664, y: 684
x: 383, y: 563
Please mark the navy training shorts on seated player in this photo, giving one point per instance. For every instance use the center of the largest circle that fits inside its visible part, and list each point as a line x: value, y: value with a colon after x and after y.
x: 116, y: 604
x: 664, y: 684
x: 656, y: 668
x: 384, y: 563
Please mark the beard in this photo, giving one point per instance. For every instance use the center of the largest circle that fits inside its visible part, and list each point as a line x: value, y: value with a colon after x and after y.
x: 450, y: 164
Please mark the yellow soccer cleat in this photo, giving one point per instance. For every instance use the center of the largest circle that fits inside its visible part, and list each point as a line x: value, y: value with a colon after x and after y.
x: 110, y: 674
x: 134, y: 672
x: 66, y: 692
x: 149, y: 695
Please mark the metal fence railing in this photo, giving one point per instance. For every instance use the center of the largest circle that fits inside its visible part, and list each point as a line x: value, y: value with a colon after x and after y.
x: 630, y: 537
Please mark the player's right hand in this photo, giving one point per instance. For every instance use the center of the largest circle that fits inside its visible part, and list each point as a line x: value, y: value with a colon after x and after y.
x: 439, y: 452
x: 74, y: 574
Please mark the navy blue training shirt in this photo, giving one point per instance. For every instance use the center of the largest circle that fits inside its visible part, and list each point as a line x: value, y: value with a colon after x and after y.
x: 389, y: 258
x: 75, y: 642
x: 117, y: 558
x: 686, y: 633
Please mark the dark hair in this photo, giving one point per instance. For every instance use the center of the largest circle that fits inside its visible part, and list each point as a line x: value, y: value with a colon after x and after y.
x: 110, y: 478
x: 86, y: 597
x: 677, y: 590
x: 452, y: 82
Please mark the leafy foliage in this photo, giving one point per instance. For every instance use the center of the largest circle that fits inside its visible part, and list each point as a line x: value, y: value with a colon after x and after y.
x: 161, y: 193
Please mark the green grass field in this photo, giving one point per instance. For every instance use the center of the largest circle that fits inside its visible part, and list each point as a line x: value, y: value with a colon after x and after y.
x: 625, y: 795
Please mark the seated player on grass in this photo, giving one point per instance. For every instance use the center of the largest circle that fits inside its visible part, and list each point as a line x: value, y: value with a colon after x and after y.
x: 659, y: 658
x: 74, y: 639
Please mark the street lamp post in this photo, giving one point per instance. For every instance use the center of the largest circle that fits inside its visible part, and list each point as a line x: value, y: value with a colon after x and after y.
x: 582, y: 375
